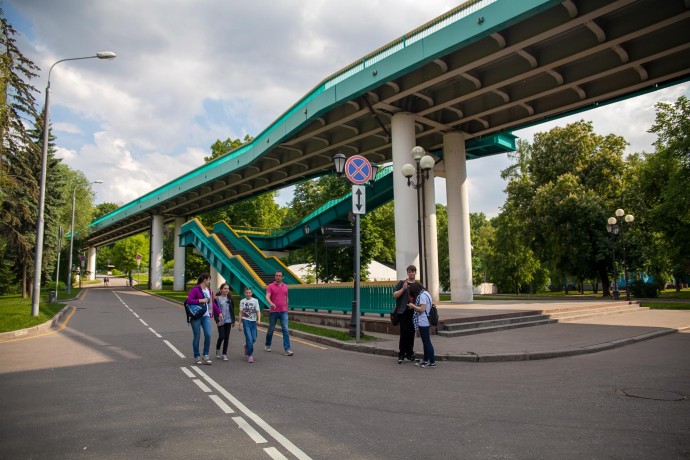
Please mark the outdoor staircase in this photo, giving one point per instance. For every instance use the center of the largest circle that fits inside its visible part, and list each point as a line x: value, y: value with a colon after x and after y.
x: 576, y: 313
x: 457, y: 327
x: 265, y: 277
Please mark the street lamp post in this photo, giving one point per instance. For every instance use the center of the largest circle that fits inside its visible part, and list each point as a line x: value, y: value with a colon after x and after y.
x: 71, y: 237
x: 615, y: 226
x: 424, y: 164
x: 40, y: 224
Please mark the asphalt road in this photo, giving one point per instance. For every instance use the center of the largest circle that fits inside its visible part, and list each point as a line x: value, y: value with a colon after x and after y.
x: 112, y: 384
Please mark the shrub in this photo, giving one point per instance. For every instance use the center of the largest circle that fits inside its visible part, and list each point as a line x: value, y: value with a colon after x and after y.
x: 639, y: 288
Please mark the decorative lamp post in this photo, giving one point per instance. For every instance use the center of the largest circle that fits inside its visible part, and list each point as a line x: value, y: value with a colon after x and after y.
x: 615, y: 226
x: 71, y: 238
x: 40, y: 224
x: 424, y: 164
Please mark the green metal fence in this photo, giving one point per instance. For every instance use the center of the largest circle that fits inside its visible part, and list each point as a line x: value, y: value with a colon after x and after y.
x: 375, y: 297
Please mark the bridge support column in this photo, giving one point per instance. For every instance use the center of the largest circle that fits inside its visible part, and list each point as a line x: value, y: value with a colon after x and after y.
x: 431, y: 241
x: 156, y: 269
x: 405, y: 198
x: 91, y: 263
x: 179, y: 257
x: 216, y: 279
x: 459, y: 246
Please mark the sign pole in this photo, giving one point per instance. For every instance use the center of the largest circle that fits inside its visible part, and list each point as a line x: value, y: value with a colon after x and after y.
x: 357, y: 273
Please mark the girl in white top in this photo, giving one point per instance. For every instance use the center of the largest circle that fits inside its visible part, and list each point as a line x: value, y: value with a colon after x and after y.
x: 250, y: 313
x: 421, y: 307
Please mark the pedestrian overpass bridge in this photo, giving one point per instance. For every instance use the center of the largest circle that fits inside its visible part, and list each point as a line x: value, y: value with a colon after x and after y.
x: 456, y: 86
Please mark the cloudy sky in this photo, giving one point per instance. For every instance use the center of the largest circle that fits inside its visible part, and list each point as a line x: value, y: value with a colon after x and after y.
x: 189, y: 72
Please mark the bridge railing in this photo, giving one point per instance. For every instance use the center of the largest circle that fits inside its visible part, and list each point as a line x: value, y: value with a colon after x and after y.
x: 375, y: 297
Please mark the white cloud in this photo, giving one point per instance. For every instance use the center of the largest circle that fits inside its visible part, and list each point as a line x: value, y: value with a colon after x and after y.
x: 188, y: 73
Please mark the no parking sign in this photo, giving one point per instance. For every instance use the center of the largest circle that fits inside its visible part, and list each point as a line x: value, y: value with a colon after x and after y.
x: 358, y: 169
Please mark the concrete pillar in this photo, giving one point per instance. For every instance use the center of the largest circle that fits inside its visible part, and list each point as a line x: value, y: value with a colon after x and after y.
x: 156, y: 269
x: 431, y: 232
x: 459, y: 246
x: 91, y: 263
x: 405, y: 198
x: 179, y: 257
x: 216, y: 279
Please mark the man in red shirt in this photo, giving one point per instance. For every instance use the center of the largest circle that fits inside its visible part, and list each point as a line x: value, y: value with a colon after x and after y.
x: 277, y: 297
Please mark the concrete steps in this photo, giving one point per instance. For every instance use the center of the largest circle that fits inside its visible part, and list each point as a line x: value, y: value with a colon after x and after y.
x: 457, y: 329
x: 461, y: 326
x: 584, y: 313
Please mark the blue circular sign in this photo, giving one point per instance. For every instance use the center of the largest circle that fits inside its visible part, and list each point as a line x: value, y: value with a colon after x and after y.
x: 358, y: 169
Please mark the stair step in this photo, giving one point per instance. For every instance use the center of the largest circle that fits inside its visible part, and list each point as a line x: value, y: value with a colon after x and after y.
x: 594, y: 314
x: 493, y: 322
x: 504, y: 327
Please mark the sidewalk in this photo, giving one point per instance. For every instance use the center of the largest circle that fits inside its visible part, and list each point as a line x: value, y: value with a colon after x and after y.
x: 560, y: 339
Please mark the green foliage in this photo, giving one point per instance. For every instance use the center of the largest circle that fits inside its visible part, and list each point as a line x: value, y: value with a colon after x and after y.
x: 560, y: 192
x: 662, y: 190
x: 639, y: 288
x: 123, y: 253
x: 15, y: 312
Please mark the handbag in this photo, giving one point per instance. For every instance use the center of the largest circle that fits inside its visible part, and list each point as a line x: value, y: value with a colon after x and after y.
x: 394, y: 316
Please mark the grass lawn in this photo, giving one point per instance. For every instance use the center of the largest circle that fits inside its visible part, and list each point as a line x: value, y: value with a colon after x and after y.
x: 15, y: 312
x: 660, y: 305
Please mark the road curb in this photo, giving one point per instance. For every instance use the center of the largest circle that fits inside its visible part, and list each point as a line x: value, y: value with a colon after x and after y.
x: 53, y: 323
x: 477, y: 357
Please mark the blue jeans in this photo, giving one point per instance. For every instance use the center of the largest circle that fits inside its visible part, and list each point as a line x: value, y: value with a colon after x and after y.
x: 272, y: 319
x: 428, y: 347
x: 249, y: 328
x: 205, y: 323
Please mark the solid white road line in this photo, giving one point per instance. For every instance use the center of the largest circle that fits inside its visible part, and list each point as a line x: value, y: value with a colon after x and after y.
x: 256, y: 437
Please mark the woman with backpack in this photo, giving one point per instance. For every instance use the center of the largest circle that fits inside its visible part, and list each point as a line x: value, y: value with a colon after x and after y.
x: 201, y: 294
x: 422, y: 308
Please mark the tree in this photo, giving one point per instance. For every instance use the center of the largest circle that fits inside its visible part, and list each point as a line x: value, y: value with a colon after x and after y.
x: 663, y: 179
x: 18, y: 184
x: 123, y: 253
x: 511, y: 262
x: 561, y: 189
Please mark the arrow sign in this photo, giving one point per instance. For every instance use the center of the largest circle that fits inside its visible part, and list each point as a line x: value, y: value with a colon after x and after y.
x: 359, y: 199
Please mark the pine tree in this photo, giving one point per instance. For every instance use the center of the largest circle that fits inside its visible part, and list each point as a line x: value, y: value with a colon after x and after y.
x: 18, y: 182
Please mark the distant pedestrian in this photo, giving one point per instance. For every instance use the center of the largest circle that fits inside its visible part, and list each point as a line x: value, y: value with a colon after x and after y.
x: 407, y: 330
x: 201, y: 294
x: 225, y: 319
x: 106, y: 281
x: 277, y: 297
x: 250, y: 314
x: 421, y: 307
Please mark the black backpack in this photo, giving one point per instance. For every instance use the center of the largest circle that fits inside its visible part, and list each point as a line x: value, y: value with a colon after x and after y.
x: 433, y: 315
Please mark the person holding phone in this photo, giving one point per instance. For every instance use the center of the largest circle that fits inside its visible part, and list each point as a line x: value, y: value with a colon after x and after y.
x: 400, y: 293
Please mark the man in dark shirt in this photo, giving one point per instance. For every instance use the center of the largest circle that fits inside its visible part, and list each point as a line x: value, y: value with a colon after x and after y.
x: 406, y: 343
